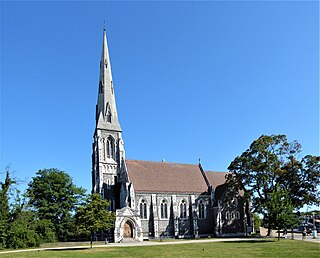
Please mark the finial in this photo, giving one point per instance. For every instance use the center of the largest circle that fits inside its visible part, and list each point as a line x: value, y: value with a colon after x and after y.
x: 104, y: 25
x: 199, y: 161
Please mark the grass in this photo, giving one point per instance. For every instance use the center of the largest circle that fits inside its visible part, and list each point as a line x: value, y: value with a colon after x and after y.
x: 263, y: 248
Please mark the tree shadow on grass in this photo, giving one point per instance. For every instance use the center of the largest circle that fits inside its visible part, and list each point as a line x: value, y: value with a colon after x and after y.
x: 68, y: 249
x: 249, y: 241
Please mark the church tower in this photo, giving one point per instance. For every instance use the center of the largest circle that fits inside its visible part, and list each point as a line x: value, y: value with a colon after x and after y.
x: 107, y: 148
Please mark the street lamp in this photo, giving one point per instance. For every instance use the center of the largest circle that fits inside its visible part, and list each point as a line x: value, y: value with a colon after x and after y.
x: 314, y: 226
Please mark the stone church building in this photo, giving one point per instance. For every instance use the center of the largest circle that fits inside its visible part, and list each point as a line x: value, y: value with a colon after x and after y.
x: 156, y: 199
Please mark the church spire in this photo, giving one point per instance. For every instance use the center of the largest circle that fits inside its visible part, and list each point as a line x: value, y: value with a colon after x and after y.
x: 106, y: 111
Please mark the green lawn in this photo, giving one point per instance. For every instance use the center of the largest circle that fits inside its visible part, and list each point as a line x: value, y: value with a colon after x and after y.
x: 264, y: 248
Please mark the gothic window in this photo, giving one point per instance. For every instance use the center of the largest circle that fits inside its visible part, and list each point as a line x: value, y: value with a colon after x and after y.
x: 103, y: 149
x: 164, y: 209
x: 143, y: 209
x: 234, y: 202
x: 100, y: 87
x: 111, y: 206
x: 227, y: 215
x: 183, y: 209
x: 110, y: 148
x: 109, y: 116
x: 102, y: 193
x: 201, y: 210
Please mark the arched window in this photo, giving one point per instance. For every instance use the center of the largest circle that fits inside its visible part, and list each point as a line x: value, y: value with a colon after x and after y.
x: 201, y: 210
x: 234, y: 201
x: 143, y: 209
x: 164, y: 209
x: 100, y: 87
x: 110, y: 147
x: 238, y: 215
x: 183, y: 209
x: 109, y: 116
x: 227, y: 215
x: 232, y: 215
x: 111, y: 207
x: 103, y: 149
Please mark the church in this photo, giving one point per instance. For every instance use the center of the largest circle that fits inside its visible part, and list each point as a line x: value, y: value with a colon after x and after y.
x: 154, y: 199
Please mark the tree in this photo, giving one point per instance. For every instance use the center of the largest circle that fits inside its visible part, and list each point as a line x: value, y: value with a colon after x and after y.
x: 257, y: 221
x: 4, y: 197
x: 280, y: 214
x: 26, y: 230
x: 54, y: 197
x: 4, y: 208
x: 271, y: 162
x: 94, y: 216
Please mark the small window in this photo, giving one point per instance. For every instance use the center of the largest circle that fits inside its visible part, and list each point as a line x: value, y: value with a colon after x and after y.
x: 103, y: 149
x: 111, y: 206
x: 109, y: 117
x: 234, y: 201
x: 164, y: 209
x: 143, y: 209
x: 183, y: 209
x: 227, y: 215
x: 100, y: 87
x: 201, y: 208
x: 238, y: 215
x: 232, y: 215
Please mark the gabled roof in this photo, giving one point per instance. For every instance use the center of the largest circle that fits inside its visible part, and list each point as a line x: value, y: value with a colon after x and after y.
x: 216, y: 178
x: 164, y: 177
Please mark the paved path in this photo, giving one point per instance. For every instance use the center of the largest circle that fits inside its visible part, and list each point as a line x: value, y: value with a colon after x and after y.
x: 298, y: 236
x: 149, y: 243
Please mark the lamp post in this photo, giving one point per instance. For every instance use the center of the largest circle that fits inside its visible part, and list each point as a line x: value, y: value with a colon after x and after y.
x: 314, y: 231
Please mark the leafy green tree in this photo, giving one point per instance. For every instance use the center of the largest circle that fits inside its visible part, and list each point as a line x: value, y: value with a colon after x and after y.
x: 45, y: 229
x: 94, y: 216
x: 54, y: 197
x: 256, y: 221
x: 280, y: 214
x: 4, y: 208
x: 272, y: 161
x: 21, y: 233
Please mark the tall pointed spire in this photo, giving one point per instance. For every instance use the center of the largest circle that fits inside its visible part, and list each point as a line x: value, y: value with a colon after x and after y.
x: 106, y: 113
x: 108, y: 147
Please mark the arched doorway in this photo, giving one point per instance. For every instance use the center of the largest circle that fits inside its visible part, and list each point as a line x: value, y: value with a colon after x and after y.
x: 127, y: 230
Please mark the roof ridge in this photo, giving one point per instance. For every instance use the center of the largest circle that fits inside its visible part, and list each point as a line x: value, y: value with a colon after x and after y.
x: 160, y: 162
x: 210, y: 171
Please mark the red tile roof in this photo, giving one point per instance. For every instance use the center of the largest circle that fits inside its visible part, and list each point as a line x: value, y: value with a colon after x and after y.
x: 216, y: 178
x: 164, y: 177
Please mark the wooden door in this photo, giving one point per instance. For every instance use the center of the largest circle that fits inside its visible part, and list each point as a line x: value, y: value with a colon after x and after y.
x: 127, y: 230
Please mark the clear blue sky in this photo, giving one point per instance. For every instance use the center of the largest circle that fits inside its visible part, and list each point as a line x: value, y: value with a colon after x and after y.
x: 192, y: 80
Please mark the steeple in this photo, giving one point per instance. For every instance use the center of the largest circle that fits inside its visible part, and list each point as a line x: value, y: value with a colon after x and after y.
x: 106, y: 110
x: 108, y: 148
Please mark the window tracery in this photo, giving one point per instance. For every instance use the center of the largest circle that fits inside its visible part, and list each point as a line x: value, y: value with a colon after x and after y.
x: 143, y: 209
x: 183, y: 209
x: 164, y: 209
x: 201, y: 210
x: 110, y: 147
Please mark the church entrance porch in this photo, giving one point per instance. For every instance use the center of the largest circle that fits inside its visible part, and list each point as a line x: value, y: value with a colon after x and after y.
x: 127, y: 226
x: 127, y: 230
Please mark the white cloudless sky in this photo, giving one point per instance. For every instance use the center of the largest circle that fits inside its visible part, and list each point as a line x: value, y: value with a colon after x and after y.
x: 192, y: 80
